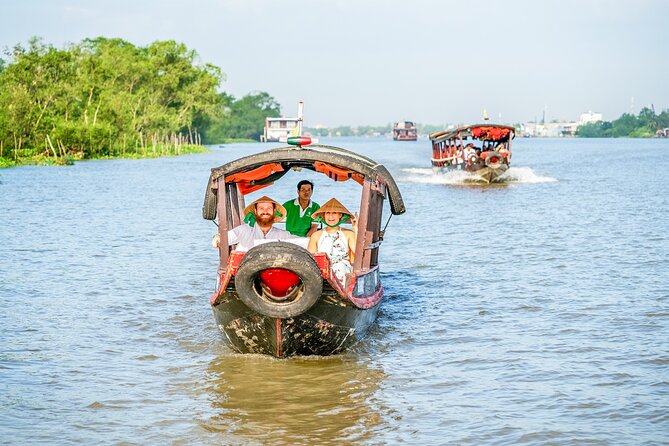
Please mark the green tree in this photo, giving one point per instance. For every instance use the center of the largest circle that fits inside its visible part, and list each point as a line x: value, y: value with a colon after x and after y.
x: 104, y: 97
x: 593, y: 129
x: 646, y: 125
x: 663, y: 120
x: 242, y: 118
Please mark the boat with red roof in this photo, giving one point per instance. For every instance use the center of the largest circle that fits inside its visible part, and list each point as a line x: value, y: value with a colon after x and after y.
x: 484, y: 150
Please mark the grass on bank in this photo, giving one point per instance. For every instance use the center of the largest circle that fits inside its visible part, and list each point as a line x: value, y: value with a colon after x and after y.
x: 65, y: 159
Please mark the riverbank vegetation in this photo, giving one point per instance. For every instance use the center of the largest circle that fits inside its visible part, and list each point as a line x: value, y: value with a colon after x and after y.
x: 646, y: 125
x: 109, y: 98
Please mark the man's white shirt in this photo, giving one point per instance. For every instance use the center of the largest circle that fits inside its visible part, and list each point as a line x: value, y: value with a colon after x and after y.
x: 246, y: 237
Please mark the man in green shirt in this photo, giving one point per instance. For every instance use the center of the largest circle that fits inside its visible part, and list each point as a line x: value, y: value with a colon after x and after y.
x: 299, y: 210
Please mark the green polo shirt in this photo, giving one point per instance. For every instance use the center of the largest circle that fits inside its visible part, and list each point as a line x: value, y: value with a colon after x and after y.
x: 298, y: 221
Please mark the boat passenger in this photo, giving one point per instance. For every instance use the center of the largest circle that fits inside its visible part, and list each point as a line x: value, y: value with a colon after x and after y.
x: 336, y: 242
x: 451, y: 154
x: 265, y: 213
x: 504, y: 152
x: 469, y: 151
x: 459, y: 156
x: 298, y: 219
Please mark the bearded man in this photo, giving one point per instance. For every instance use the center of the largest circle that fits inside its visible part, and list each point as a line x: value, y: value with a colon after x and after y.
x: 266, y: 212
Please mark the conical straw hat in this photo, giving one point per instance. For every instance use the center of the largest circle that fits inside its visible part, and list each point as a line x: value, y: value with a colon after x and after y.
x: 332, y: 206
x: 265, y: 199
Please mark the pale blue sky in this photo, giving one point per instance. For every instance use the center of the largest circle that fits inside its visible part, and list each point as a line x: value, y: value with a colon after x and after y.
x: 371, y: 62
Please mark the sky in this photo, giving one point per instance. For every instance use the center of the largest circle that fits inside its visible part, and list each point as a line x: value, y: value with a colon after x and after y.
x: 373, y: 62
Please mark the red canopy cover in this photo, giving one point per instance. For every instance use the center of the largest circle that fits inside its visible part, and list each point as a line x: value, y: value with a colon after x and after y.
x: 490, y: 133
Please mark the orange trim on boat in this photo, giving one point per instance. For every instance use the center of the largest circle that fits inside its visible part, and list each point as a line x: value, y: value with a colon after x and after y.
x: 245, y: 179
x: 279, y: 338
x: 338, y: 173
x: 255, y: 174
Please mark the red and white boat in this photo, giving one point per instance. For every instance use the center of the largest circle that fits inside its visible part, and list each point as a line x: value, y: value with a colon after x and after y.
x: 483, y: 150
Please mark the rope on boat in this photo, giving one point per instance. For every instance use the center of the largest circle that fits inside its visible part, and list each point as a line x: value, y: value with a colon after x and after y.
x: 383, y: 231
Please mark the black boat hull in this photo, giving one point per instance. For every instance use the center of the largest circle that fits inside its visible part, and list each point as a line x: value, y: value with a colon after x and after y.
x: 330, y: 326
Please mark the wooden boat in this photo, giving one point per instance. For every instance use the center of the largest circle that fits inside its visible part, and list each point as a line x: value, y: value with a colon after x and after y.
x: 453, y: 150
x: 277, y: 298
x: 405, y: 131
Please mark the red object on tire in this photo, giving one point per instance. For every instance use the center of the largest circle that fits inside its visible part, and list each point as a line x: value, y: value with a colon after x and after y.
x: 280, y: 281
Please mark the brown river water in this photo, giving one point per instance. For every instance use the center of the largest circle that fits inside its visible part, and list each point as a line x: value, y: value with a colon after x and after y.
x: 535, y: 311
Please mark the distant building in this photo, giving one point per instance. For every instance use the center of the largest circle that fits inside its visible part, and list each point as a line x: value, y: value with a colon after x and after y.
x: 558, y: 129
x: 549, y: 129
x: 590, y: 117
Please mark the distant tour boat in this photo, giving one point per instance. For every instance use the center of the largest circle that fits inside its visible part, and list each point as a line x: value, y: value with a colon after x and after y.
x: 487, y: 155
x: 405, y: 131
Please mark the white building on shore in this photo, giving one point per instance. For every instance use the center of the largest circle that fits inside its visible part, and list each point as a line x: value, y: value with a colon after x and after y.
x: 589, y: 118
x: 558, y: 129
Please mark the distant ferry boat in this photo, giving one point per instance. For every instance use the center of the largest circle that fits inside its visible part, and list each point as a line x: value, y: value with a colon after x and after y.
x: 487, y: 156
x: 405, y: 131
x: 279, y: 128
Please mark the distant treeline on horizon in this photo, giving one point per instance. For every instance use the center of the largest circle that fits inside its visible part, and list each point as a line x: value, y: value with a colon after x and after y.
x: 107, y: 97
x: 647, y: 124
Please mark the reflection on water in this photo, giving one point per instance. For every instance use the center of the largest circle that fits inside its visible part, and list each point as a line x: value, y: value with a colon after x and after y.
x: 295, y: 401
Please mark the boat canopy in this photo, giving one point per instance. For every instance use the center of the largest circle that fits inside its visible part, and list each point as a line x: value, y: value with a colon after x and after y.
x: 482, y: 132
x: 255, y: 172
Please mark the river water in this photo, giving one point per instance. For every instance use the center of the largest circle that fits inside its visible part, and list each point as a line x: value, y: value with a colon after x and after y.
x: 531, y: 312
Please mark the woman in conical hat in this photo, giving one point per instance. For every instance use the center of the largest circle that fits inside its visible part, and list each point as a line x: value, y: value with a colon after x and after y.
x: 336, y: 242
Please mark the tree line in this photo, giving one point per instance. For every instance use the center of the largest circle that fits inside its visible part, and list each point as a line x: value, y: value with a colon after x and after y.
x: 366, y: 130
x: 107, y: 97
x: 646, y: 124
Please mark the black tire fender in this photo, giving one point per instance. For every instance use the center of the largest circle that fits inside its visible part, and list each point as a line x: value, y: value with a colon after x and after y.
x: 209, y: 207
x: 279, y: 255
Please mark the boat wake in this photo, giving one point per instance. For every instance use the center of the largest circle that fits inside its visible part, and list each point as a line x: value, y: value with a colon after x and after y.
x: 524, y: 175
x: 458, y: 177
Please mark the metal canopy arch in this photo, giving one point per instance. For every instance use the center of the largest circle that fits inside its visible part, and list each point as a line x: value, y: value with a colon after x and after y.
x: 304, y: 157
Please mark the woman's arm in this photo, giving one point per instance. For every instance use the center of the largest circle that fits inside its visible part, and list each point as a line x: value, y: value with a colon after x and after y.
x: 351, y: 237
x: 312, y: 247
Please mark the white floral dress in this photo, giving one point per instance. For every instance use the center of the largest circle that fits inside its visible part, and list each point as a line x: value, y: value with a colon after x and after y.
x: 336, y: 247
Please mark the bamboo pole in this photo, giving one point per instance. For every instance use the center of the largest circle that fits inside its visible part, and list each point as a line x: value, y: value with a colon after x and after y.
x: 51, y: 145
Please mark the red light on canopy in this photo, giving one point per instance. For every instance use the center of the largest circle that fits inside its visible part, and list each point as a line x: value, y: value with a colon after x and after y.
x: 299, y: 140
